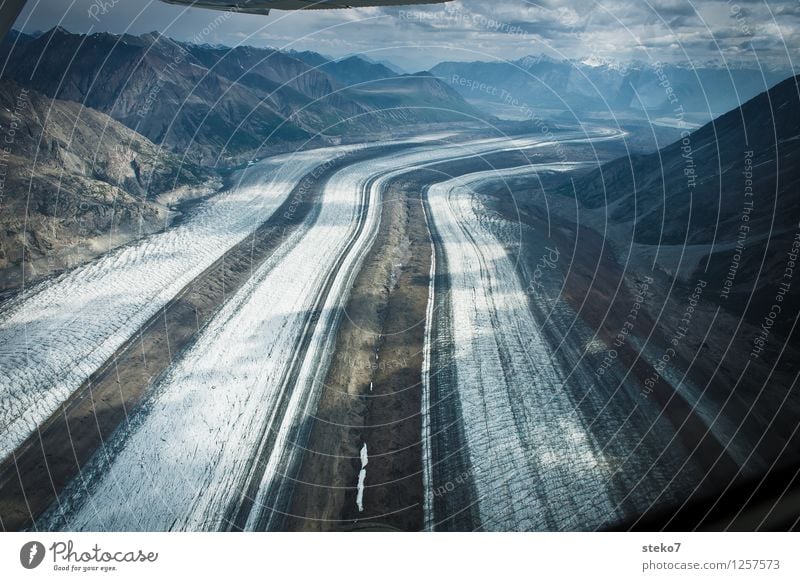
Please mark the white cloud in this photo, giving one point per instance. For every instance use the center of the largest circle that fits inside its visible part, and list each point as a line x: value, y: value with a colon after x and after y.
x: 419, y: 36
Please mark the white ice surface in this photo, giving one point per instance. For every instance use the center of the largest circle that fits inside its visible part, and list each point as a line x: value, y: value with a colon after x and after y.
x: 534, y: 464
x: 427, y: 468
x: 362, y: 478
x: 59, y: 332
x: 188, y: 452
x: 56, y: 335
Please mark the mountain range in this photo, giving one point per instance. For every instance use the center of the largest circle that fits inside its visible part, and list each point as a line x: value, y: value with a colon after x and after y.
x: 135, y: 117
x: 222, y: 106
x: 575, y: 87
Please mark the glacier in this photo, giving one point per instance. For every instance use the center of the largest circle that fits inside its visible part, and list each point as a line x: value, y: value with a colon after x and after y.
x: 217, y: 431
x: 532, y: 460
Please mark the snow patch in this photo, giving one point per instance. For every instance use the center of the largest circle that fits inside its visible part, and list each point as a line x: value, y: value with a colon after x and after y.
x: 362, y: 477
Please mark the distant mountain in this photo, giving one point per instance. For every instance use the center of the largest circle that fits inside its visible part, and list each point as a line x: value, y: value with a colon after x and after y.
x: 592, y: 86
x: 410, y: 98
x: 395, y: 68
x: 76, y: 182
x: 312, y: 58
x: 355, y: 71
x: 219, y: 105
x: 349, y: 71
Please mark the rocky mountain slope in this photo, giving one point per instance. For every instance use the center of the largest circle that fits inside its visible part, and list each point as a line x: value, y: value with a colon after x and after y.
x: 722, y: 199
x: 76, y: 183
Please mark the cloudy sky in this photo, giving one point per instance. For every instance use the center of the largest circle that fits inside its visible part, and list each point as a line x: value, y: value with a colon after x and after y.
x: 417, y: 37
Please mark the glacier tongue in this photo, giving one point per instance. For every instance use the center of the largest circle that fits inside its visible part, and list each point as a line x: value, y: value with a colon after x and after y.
x: 532, y: 461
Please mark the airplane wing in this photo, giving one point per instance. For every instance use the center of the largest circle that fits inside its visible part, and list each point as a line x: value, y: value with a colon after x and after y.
x: 264, y: 6
x: 10, y: 9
